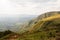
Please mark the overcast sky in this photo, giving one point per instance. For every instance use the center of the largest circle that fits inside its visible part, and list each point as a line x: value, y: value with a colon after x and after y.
x: 29, y: 7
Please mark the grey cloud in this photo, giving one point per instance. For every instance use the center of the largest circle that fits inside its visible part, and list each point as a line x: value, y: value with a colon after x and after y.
x: 37, y: 1
x: 24, y: 2
x: 40, y: 1
x: 37, y: 7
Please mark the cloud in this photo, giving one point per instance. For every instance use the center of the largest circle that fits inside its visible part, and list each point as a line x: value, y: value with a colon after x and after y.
x: 29, y: 7
x: 33, y: 1
x: 36, y: 6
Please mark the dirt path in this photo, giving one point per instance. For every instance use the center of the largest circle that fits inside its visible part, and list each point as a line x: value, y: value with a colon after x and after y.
x: 12, y: 37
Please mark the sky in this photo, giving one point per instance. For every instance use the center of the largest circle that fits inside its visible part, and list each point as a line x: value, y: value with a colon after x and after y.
x: 27, y: 7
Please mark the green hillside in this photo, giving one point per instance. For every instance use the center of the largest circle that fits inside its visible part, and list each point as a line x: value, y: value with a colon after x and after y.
x: 45, y: 30
x: 44, y: 27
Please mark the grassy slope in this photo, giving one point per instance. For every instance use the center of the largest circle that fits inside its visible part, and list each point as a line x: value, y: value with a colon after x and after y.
x: 41, y: 34
x: 49, y: 34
